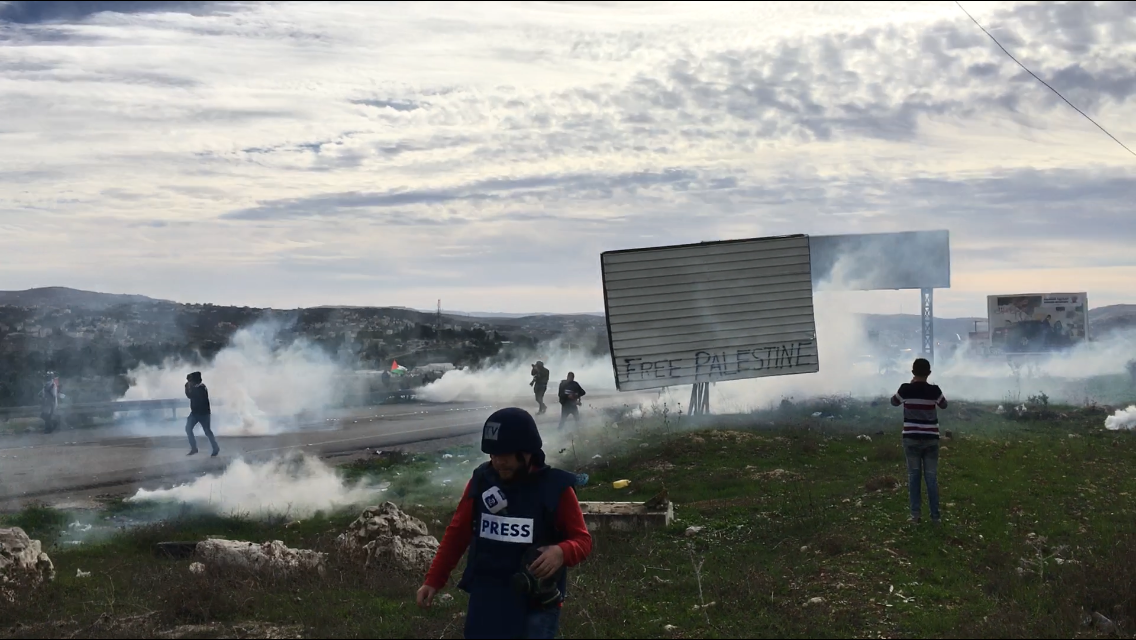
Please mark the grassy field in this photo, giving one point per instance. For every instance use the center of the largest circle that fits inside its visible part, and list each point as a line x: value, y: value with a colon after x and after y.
x: 804, y: 533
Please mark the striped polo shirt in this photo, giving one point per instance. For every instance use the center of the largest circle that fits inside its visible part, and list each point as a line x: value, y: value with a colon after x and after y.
x: 920, y: 402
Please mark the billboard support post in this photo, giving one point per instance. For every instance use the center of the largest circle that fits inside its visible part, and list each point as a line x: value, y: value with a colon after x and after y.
x: 699, y: 399
x: 928, y: 304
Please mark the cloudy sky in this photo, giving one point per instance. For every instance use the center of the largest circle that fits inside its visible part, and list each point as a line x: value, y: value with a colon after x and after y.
x: 387, y: 153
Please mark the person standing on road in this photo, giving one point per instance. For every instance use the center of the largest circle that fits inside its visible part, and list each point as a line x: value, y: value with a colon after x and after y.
x: 570, y: 394
x: 522, y: 523
x: 49, y: 402
x: 921, y: 401
x: 540, y: 385
x: 199, y: 412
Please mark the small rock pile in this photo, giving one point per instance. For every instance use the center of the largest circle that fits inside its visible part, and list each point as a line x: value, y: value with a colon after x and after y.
x: 22, y: 561
x: 391, y: 537
x: 256, y: 557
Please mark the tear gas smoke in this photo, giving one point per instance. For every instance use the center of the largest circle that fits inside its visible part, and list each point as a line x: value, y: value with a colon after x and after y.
x: 844, y: 370
x: 1122, y: 420
x: 252, y: 381
x: 508, y: 381
x: 297, y: 486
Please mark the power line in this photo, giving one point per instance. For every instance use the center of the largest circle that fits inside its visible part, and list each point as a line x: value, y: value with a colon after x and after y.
x: 1047, y: 85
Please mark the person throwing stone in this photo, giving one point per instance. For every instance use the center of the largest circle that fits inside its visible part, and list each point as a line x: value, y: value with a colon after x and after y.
x: 199, y: 412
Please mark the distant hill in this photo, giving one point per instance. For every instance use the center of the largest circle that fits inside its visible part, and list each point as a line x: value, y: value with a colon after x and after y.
x: 65, y: 297
x: 1101, y: 319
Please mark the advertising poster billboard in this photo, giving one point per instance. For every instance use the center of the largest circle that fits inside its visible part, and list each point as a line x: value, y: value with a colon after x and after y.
x: 1037, y: 322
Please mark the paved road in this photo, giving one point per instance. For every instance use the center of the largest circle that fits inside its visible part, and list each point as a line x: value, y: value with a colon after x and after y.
x: 43, y: 466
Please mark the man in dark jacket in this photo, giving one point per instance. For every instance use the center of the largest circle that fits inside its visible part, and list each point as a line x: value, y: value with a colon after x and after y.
x: 540, y: 385
x: 570, y: 394
x: 198, y: 412
x: 49, y: 402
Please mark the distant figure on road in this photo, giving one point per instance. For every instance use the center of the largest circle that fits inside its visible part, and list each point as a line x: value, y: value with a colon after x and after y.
x: 920, y: 401
x: 49, y: 402
x: 386, y: 378
x: 540, y: 385
x: 198, y: 412
x: 570, y: 395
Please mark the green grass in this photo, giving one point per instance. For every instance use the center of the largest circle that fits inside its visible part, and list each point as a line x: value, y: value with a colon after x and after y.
x: 792, y: 507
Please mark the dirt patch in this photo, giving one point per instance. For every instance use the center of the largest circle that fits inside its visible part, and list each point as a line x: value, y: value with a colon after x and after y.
x: 882, y: 483
x: 776, y: 475
x: 148, y: 626
x: 657, y: 466
x: 725, y: 503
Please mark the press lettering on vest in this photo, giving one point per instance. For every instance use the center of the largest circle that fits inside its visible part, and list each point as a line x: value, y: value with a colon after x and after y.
x: 491, y: 430
x: 504, y: 529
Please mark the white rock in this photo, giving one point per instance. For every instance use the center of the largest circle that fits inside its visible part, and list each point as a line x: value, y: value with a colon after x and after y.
x: 815, y: 601
x: 197, y: 568
x: 273, y: 556
x: 388, y: 535
x: 20, y: 556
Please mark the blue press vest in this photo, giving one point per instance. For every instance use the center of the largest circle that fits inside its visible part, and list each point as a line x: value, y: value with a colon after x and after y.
x: 495, y: 552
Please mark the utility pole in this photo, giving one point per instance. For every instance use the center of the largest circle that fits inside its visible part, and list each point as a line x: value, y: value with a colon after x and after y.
x: 438, y: 318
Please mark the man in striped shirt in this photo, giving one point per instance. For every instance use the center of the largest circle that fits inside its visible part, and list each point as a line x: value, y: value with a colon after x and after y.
x: 921, y: 401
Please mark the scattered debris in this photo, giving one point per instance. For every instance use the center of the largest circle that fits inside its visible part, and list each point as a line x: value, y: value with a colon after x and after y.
x: 814, y: 601
x: 445, y: 598
x: 22, y: 557
x: 388, y: 535
x: 249, y: 555
x: 197, y: 568
x: 692, y: 531
x: 662, y: 580
x: 620, y: 484
x: 817, y: 414
x: 865, y: 438
x: 79, y: 573
x: 670, y: 628
x: 700, y: 607
x: 596, y: 457
x: 658, y: 502
x: 447, y: 456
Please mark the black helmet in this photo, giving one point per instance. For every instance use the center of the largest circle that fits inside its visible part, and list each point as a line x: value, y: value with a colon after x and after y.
x: 510, y: 430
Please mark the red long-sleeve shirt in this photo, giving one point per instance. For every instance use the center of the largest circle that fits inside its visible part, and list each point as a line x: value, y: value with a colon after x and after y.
x: 569, y: 521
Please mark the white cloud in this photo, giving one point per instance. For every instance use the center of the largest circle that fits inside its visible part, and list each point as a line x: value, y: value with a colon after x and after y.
x: 391, y: 153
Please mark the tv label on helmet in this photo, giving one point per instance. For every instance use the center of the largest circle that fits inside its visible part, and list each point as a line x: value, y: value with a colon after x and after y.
x: 502, y: 529
x: 491, y: 430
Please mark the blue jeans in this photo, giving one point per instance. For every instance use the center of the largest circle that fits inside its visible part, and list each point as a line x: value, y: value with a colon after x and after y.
x: 543, y: 624
x: 923, y: 462
x: 204, y: 419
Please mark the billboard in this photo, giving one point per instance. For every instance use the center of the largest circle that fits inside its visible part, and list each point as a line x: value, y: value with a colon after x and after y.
x: 1037, y: 322
x: 875, y: 261
x: 710, y: 312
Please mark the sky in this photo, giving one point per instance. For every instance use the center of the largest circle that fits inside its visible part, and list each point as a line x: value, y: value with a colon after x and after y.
x: 392, y: 154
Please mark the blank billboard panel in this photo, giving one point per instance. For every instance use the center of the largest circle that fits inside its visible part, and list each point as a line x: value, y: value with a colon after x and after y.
x: 710, y: 312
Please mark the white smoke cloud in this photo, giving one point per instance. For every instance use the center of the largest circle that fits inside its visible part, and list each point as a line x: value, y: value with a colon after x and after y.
x: 297, y: 486
x: 1122, y: 420
x: 507, y: 381
x: 256, y: 385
